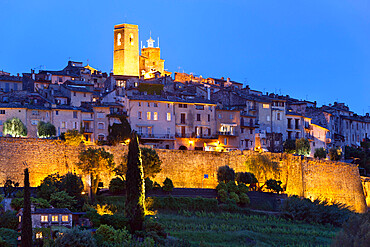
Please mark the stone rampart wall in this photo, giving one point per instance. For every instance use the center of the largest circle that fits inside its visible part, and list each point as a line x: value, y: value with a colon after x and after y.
x: 333, y: 181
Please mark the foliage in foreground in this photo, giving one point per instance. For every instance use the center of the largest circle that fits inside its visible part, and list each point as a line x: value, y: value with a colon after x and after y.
x: 225, y: 174
x: 355, y: 232
x: 320, y: 153
x: 73, y: 137
x: 45, y: 129
x: 14, y: 127
x: 8, y: 237
x: 317, y: 212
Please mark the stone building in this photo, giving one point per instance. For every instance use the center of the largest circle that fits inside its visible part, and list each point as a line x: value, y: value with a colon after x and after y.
x: 228, y: 127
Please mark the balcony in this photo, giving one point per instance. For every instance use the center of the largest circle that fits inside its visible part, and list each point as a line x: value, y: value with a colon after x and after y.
x: 156, y: 136
x: 227, y: 133
x: 87, y: 130
x: 193, y: 135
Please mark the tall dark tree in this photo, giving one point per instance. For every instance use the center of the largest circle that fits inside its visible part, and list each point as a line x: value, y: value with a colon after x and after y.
x: 27, y: 220
x: 119, y: 132
x: 135, y: 192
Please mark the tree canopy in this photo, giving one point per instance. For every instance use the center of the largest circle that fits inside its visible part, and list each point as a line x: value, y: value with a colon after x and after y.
x: 302, y: 146
x: 45, y: 129
x: 73, y: 137
x: 14, y: 127
x: 119, y: 132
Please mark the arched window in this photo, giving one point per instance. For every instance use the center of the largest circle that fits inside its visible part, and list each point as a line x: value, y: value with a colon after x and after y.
x: 119, y: 36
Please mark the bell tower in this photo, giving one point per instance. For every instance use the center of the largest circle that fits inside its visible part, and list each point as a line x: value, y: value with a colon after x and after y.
x: 126, y: 50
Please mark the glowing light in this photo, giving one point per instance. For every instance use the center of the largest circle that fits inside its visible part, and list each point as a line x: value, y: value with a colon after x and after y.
x: 191, y: 142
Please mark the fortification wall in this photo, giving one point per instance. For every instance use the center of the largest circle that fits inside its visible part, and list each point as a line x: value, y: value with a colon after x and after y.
x: 366, y: 186
x: 333, y: 181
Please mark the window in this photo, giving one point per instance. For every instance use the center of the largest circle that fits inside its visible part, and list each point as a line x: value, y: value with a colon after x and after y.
x: 219, y: 116
x: 210, y: 108
x: 139, y: 115
x: 54, y: 218
x: 75, y: 125
x: 139, y: 103
x: 168, y: 116
x: 85, y: 95
x: 148, y: 104
x: 148, y: 115
x: 225, y: 141
x: 63, y: 125
x: 183, y: 106
x: 119, y: 36
x: 140, y: 130
x: 38, y: 235
x: 44, y: 218
x: 199, y: 107
x: 168, y: 105
x: 101, y: 126
x: 278, y: 116
x: 268, y: 118
x: 155, y: 104
x: 35, y: 113
x: 101, y: 137
x: 2, y: 111
x: 155, y: 115
x: 209, y: 117
x: 15, y: 87
x: 231, y: 116
x: 20, y: 218
x: 56, y: 113
x: 100, y: 115
x: 266, y: 106
x: 74, y: 114
x: 198, y: 117
x: 34, y: 122
x: 182, y: 119
x: 60, y: 79
x: 74, y: 93
x: 251, y: 131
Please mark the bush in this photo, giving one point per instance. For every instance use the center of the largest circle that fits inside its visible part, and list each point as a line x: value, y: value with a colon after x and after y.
x: 335, y: 154
x: 9, y: 220
x: 167, y: 185
x: 355, y: 232
x: 8, y: 237
x: 302, y: 146
x: 148, y: 184
x: 246, y: 178
x: 221, y: 186
x: 234, y: 197
x: 244, y: 199
x: 225, y: 174
x: 76, y: 238
x: 242, y: 188
x: 289, y: 146
x: 274, y: 185
x: 107, y: 236
x: 232, y: 187
x: 315, y: 212
x: 117, y: 185
x: 320, y: 153
x: 222, y: 195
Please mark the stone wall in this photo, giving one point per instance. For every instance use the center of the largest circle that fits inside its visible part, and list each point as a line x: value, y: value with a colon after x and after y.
x: 366, y: 186
x: 333, y: 181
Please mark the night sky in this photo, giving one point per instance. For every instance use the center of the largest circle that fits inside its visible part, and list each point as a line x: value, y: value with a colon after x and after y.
x: 315, y: 50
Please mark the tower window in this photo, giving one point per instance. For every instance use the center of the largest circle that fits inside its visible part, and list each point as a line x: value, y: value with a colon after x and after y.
x: 119, y: 36
x: 131, y: 39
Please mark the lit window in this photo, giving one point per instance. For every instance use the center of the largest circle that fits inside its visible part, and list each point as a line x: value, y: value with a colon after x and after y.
x: 39, y: 235
x: 148, y: 115
x: 44, y: 218
x: 119, y: 36
x: 20, y: 218
x: 54, y: 218
x: 168, y: 116
x: 266, y: 106
x: 155, y: 116
x: 64, y: 218
x: 64, y: 125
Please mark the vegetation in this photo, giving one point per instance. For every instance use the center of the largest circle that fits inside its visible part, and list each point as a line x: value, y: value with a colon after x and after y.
x: 73, y: 137
x: 167, y: 185
x: 320, y: 153
x: 17, y: 203
x: 45, y: 129
x: 61, y: 199
x: 117, y: 185
x: 246, y: 178
x: 315, y: 212
x: 135, y: 192
x: 9, y: 220
x: 8, y: 237
x: 9, y: 187
x: 14, y: 127
x: 302, y: 146
x: 361, y: 155
x: 151, y: 88
x: 76, y: 238
x: 225, y: 174
x: 274, y: 185
x: 335, y: 154
x: 355, y: 232
x: 94, y: 162
x: 26, y: 218
x: 119, y: 132
x: 262, y: 166
x: 208, y: 228
x: 108, y: 236
x: 151, y: 162
x: 289, y: 146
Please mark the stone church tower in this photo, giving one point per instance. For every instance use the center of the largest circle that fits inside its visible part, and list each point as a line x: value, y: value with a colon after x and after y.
x: 126, y: 50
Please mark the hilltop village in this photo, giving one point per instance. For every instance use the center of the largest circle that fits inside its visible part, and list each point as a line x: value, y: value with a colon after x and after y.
x: 171, y: 110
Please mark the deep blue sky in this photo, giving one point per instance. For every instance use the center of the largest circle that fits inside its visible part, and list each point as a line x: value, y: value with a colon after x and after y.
x: 319, y: 50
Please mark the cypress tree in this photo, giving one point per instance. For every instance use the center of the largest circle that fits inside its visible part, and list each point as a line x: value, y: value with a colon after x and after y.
x: 27, y: 220
x: 135, y: 187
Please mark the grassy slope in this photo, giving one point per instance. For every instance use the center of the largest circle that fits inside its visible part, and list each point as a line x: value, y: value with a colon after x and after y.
x: 226, y: 229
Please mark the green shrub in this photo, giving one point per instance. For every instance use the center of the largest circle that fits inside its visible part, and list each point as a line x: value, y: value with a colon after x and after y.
x: 117, y: 185
x: 274, y: 185
x: 75, y: 237
x: 320, y: 153
x: 221, y: 186
x: 244, y: 199
x: 315, y: 212
x: 302, y: 146
x: 355, y: 232
x: 148, y: 184
x: 107, y: 236
x: 9, y: 220
x: 8, y: 237
x: 225, y: 174
x: 232, y: 187
x: 335, y: 154
x: 289, y: 146
x: 167, y: 185
x: 222, y: 195
x: 246, y: 178
x: 233, y: 196
x: 242, y: 188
